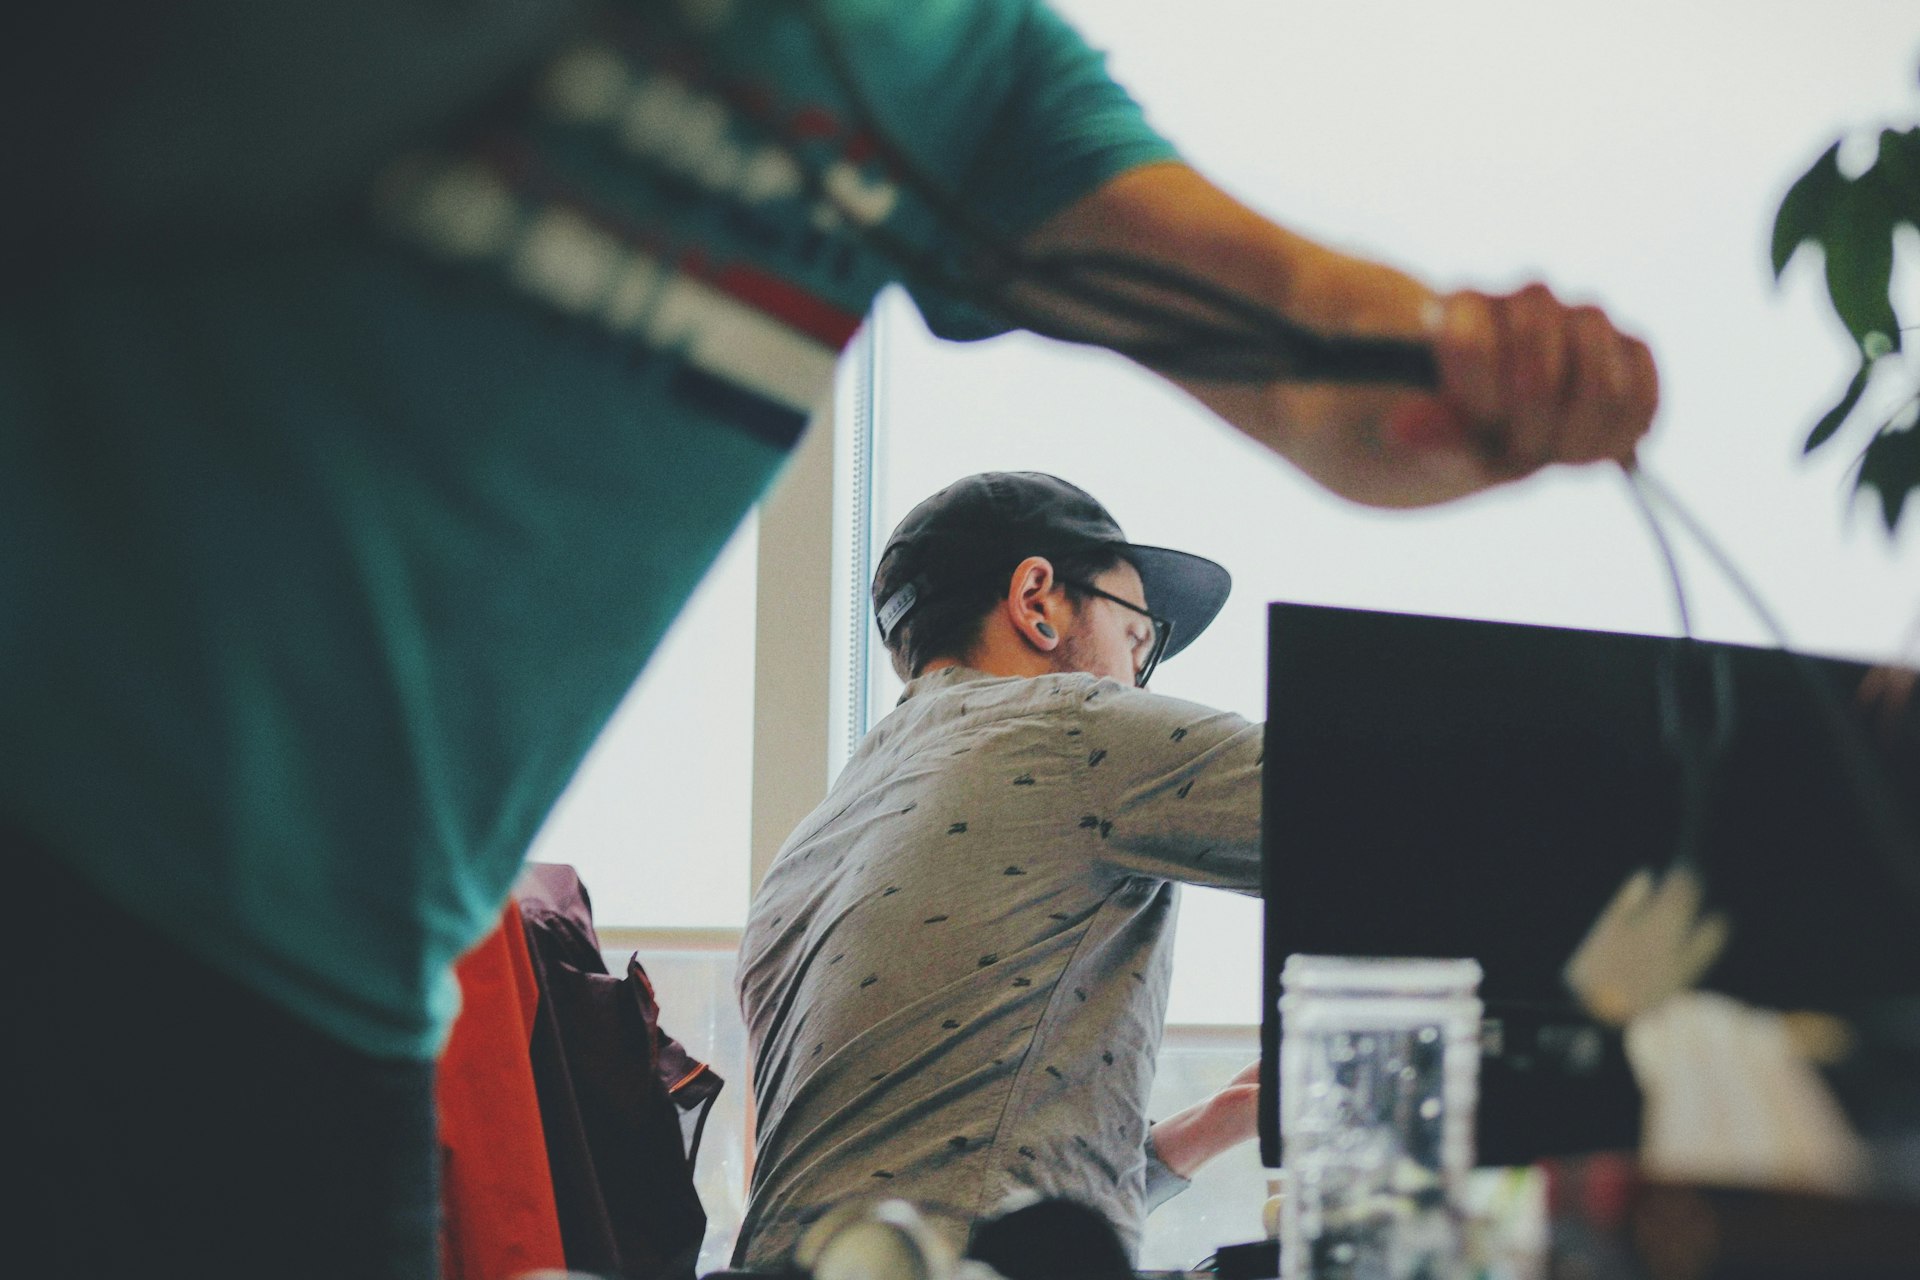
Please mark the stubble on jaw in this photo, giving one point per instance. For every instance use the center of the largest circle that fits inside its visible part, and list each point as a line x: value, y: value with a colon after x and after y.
x: 1073, y: 655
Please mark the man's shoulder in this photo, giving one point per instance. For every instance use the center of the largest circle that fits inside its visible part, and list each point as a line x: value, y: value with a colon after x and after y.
x: 956, y: 694
x: 961, y: 691
x: 1115, y: 702
x: 1042, y: 701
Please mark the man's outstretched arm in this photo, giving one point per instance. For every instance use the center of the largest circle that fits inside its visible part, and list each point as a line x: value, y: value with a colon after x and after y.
x: 1525, y: 380
x: 1188, y: 1139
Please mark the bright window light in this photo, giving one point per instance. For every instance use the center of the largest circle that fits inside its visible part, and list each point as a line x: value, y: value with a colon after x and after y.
x: 1629, y: 154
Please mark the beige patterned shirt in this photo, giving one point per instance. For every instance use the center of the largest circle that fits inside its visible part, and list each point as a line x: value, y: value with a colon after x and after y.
x: 955, y: 976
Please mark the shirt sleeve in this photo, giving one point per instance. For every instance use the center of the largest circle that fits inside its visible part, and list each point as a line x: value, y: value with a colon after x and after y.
x: 1058, y: 128
x: 1174, y: 786
x: 1064, y: 128
x: 1163, y: 1184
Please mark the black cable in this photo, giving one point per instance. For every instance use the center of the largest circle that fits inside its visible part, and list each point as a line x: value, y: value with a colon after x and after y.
x: 1276, y: 346
x: 1201, y: 331
x: 1665, y: 497
x: 1637, y: 490
x: 1695, y: 731
x: 1888, y: 834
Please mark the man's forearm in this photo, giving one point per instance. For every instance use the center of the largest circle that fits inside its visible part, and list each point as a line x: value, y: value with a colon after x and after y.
x: 1190, y: 1138
x: 1526, y: 380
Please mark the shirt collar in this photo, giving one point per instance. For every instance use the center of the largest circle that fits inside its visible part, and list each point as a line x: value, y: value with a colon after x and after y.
x: 944, y: 678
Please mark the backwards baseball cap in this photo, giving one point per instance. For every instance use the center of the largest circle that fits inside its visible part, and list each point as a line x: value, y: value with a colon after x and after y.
x: 997, y: 518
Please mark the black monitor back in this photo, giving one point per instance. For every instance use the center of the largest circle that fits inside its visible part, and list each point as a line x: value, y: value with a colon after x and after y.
x: 1441, y: 787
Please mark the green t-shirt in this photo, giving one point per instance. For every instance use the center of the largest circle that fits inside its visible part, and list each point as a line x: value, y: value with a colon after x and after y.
x: 332, y: 540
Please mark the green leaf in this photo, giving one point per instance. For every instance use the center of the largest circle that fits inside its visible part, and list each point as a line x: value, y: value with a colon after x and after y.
x: 1823, y: 430
x: 1896, y: 171
x: 1891, y: 467
x: 1805, y: 209
x: 1858, y: 240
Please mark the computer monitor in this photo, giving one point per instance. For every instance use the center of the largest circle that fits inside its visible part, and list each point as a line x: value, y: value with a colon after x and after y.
x: 1443, y: 787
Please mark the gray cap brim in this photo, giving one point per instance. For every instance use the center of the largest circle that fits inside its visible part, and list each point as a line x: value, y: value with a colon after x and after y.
x: 1185, y: 589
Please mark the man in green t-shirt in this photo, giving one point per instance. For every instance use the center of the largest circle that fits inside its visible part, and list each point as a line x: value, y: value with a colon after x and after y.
x: 377, y: 380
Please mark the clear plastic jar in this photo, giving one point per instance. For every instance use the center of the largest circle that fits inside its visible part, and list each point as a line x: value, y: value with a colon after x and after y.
x: 1379, y: 1078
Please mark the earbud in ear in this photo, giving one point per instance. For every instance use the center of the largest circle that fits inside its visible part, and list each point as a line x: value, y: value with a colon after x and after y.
x: 1045, y: 630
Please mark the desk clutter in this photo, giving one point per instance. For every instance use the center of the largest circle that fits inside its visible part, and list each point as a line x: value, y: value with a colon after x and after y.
x: 1587, y: 1218
x: 1609, y: 1221
x: 1046, y: 1238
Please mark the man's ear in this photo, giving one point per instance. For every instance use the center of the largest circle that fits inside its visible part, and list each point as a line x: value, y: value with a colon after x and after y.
x: 1034, y: 602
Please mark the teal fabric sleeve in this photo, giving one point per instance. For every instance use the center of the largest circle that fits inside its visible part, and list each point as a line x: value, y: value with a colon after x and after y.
x: 1064, y: 128
x: 1058, y: 129
x: 1163, y: 1184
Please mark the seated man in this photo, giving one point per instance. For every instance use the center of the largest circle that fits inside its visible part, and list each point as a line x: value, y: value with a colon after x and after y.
x: 955, y: 975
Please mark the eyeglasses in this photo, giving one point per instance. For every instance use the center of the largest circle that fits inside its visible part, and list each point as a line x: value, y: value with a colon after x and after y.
x: 1162, y: 629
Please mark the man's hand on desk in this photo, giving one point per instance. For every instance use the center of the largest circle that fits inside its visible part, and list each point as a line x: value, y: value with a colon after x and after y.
x: 1188, y: 1139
